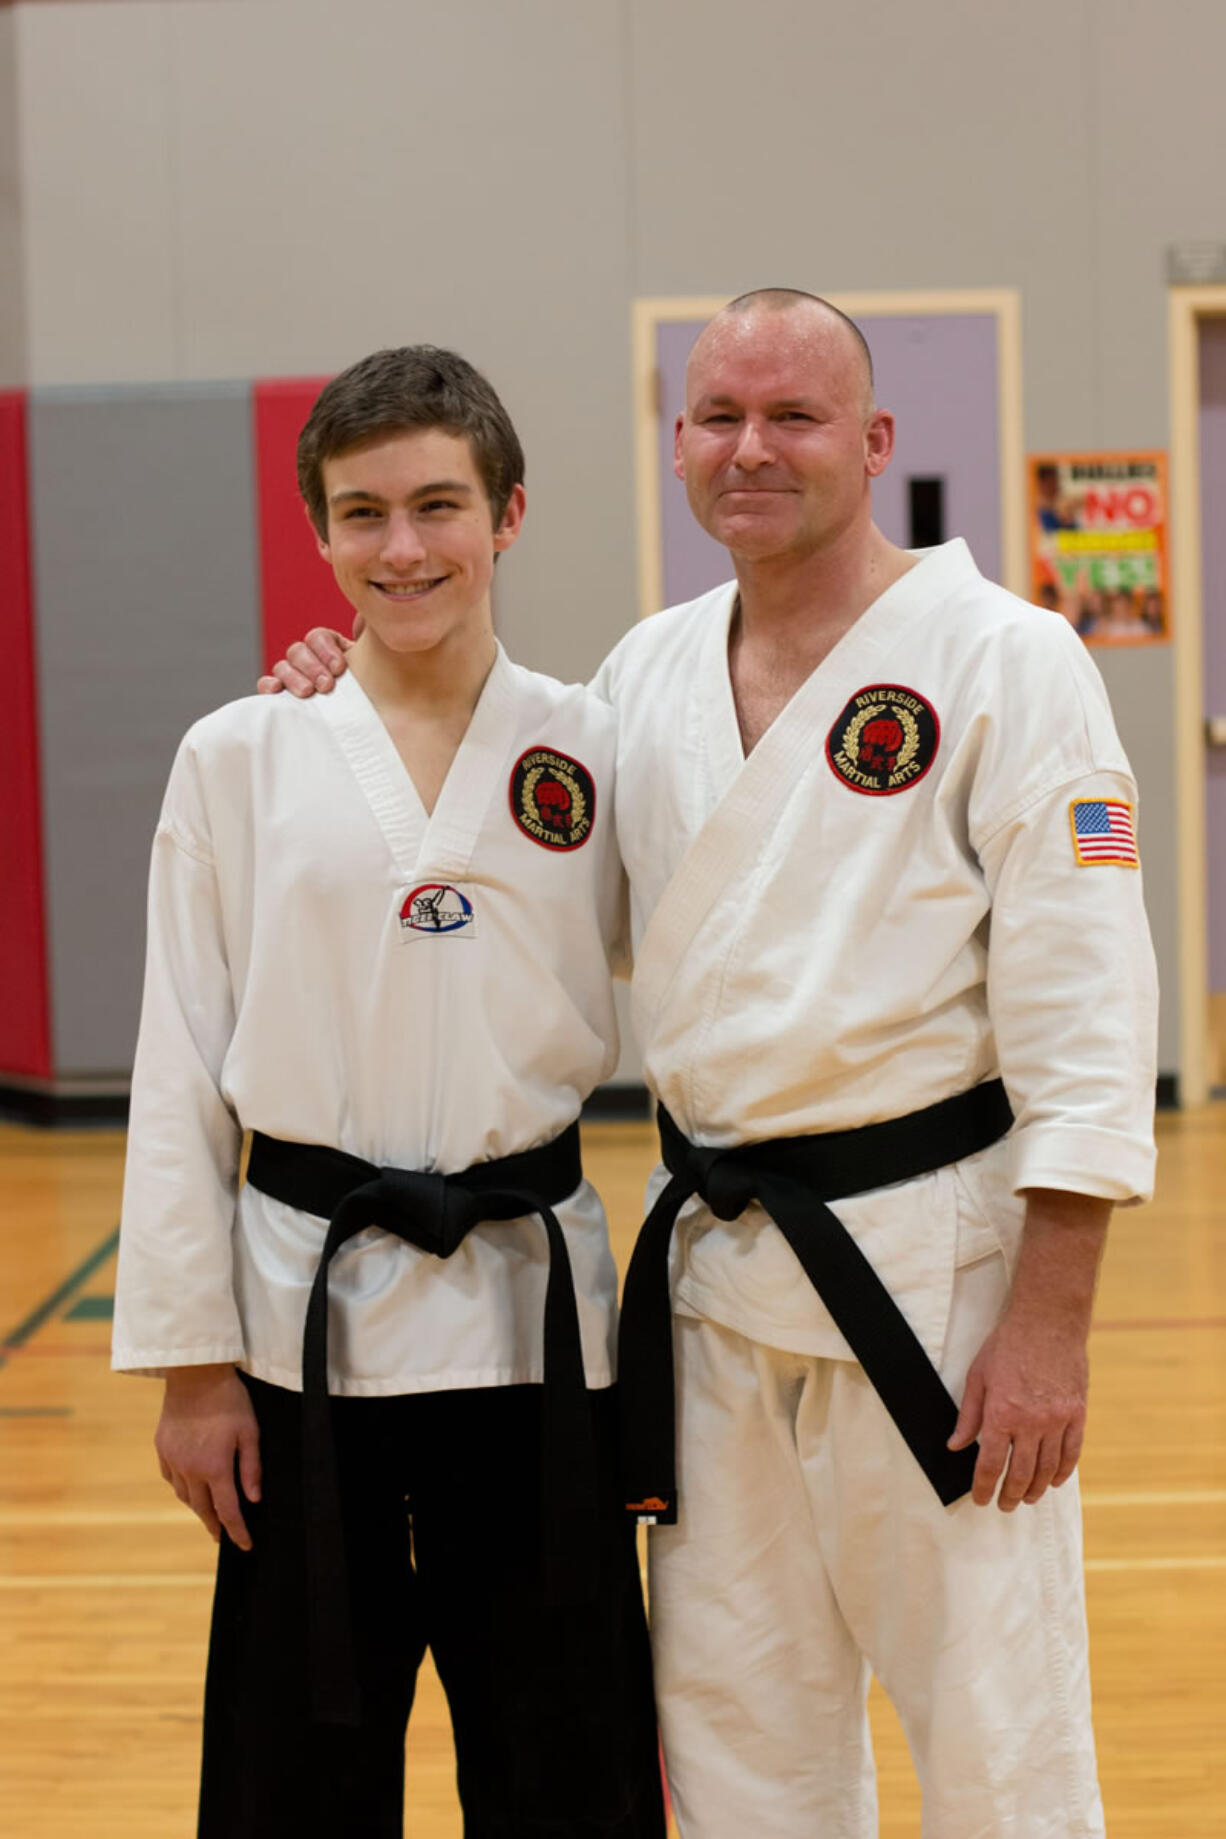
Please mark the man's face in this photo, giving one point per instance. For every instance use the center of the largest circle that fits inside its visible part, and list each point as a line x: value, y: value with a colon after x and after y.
x: 779, y: 439
x: 411, y: 537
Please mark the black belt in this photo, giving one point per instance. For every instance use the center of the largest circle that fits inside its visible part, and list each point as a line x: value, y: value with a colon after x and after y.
x: 793, y: 1178
x: 434, y: 1213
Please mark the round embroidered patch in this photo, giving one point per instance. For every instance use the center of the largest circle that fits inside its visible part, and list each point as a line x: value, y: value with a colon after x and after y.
x: 884, y: 741
x: 553, y: 799
x: 436, y: 907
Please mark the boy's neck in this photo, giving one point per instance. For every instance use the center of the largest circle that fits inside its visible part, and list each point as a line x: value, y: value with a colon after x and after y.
x: 426, y: 699
x: 444, y: 683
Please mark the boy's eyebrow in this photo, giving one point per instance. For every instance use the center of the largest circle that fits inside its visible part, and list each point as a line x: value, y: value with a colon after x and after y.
x: 455, y: 486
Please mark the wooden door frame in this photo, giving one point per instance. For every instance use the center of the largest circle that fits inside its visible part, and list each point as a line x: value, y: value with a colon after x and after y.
x: 1187, y: 309
x: 1003, y: 303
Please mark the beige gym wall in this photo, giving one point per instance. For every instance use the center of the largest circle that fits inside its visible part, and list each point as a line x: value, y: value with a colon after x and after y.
x: 213, y: 188
x: 12, y: 297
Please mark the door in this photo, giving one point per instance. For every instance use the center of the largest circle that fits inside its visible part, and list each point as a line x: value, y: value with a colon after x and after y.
x: 1212, y: 416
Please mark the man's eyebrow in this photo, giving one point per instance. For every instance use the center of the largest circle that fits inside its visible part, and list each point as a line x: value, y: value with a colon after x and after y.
x: 716, y: 400
x: 457, y: 487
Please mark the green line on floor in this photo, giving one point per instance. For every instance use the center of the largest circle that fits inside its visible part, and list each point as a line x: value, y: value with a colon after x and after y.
x: 92, y: 1309
x: 46, y: 1309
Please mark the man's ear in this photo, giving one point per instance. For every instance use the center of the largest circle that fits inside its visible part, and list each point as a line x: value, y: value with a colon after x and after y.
x: 878, y: 442
x: 678, y: 462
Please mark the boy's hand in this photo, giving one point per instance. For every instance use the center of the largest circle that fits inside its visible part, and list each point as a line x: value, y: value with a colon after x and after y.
x: 313, y: 663
x: 207, y: 1419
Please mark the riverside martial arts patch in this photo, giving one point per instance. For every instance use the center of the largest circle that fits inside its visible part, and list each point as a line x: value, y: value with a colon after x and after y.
x: 436, y: 910
x: 884, y: 741
x: 1103, y: 831
x: 553, y: 799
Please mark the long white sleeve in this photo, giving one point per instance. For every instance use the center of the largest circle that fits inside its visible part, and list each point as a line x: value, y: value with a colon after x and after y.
x: 174, y: 1300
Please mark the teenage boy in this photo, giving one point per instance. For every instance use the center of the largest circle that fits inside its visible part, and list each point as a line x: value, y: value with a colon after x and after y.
x: 437, y: 836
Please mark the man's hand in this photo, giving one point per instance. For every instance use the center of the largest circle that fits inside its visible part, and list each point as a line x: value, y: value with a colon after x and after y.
x: 1025, y: 1395
x: 314, y: 663
x: 207, y: 1419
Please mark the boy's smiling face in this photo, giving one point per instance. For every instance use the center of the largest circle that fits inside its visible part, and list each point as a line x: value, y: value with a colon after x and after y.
x: 412, y: 540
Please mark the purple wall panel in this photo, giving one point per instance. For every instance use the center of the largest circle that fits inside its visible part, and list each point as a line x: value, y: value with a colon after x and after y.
x: 692, y: 561
x: 937, y: 373
x: 1213, y: 552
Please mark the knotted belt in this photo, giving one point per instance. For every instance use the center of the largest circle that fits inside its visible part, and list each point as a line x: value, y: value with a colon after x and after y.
x: 794, y: 1179
x: 434, y: 1213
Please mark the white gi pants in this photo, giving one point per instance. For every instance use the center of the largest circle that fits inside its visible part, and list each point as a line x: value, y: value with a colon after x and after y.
x: 811, y: 1552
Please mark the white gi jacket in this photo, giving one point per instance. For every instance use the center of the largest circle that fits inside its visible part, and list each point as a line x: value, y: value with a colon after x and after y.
x: 822, y: 943
x: 293, y: 854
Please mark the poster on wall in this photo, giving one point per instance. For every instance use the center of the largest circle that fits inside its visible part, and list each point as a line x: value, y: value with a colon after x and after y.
x: 1098, y: 544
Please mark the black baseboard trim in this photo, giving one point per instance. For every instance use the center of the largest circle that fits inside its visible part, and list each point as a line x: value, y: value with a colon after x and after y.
x: 50, y: 1110
x: 621, y: 1101
x: 47, y: 1109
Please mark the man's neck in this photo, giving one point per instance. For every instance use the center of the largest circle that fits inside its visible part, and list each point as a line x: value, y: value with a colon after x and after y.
x: 792, y: 612
x: 808, y: 603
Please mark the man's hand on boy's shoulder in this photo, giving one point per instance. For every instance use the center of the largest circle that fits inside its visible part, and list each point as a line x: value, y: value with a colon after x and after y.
x: 313, y: 663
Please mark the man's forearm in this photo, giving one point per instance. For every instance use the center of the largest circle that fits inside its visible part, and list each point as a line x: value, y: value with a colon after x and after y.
x: 1057, y: 1267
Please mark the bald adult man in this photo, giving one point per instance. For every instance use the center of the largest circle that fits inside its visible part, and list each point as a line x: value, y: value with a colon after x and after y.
x: 896, y: 997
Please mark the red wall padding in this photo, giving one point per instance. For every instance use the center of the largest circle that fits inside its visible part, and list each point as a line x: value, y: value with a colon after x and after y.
x: 25, y: 1031
x: 296, y: 586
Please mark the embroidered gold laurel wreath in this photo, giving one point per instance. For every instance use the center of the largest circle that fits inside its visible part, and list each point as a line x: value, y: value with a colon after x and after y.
x: 578, y: 803
x: 850, y: 750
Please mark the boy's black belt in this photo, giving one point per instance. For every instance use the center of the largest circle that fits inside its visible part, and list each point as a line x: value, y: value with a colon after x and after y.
x: 793, y: 1178
x: 434, y: 1213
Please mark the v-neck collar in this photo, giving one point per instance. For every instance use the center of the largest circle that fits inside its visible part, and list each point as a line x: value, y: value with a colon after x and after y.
x: 935, y: 575
x: 443, y: 841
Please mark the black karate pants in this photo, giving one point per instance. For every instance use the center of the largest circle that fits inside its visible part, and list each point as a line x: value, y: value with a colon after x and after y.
x: 552, y: 1709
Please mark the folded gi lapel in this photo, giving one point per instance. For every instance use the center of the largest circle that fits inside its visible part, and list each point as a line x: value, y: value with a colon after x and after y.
x: 740, y: 825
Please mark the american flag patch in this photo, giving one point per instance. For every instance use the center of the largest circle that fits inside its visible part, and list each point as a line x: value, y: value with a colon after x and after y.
x: 1103, y: 832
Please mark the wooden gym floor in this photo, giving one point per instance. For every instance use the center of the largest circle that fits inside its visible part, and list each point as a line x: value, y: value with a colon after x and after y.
x: 105, y: 1579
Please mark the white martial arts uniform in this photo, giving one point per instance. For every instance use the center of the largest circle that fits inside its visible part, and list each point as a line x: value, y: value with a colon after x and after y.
x: 827, y: 936
x: 457, y: 1009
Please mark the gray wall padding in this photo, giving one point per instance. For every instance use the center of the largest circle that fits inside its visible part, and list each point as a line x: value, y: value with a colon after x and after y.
x: 143, y: 512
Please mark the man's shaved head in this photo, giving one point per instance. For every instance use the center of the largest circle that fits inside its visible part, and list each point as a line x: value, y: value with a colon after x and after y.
x: 785, y: 300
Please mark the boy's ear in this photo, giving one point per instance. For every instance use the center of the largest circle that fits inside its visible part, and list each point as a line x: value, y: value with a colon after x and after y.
x: 512, y: 520
x: 321, y: 542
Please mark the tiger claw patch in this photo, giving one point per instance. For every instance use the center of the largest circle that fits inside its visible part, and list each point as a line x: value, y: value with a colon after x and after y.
x: 884, y: 741
x: 553, y: 799
x: 435, y: 909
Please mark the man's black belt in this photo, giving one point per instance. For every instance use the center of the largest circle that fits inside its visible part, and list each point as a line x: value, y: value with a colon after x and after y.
x: 794, y: 1178
x: 434, y: 1213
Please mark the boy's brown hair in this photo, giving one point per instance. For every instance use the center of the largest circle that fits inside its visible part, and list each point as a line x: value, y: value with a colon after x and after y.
x: 400, y: 391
